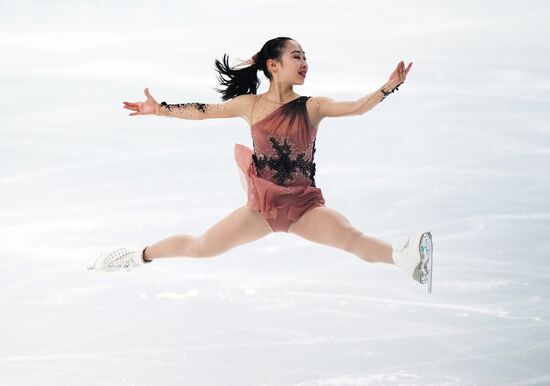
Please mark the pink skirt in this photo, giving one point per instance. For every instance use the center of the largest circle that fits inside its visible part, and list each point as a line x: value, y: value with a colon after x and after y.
x: 280, y: 205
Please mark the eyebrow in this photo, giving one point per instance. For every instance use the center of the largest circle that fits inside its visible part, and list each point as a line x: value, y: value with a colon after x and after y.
x: 298, y: 52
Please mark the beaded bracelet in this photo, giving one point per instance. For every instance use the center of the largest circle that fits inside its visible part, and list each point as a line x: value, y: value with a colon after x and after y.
x: 386, y: 93
x: 160, y: 107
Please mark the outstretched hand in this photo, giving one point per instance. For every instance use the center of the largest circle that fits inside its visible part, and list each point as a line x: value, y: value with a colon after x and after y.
x: 399, y: 74
x: 142, y: 108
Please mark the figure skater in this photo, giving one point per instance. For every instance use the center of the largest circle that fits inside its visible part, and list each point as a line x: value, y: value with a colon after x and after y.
x: 278, y: 173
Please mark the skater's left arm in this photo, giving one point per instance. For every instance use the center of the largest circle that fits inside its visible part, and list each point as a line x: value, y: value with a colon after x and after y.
x: 327, y: 107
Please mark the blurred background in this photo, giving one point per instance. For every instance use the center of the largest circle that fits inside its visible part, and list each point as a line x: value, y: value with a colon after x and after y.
x: 461, y: 149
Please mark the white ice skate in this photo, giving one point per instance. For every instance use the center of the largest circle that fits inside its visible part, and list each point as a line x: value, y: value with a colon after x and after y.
x: 414, y: 256
x: 128, y: 258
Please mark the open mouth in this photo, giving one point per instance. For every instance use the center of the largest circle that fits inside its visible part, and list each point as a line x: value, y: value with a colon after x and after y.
x: 303, y: 73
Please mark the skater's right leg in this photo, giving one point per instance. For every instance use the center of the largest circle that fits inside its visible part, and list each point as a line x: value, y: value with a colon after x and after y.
x: 241, y: 226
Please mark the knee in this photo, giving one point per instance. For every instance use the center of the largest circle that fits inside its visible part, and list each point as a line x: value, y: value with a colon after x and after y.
x: 202, y: 248
x: 352, y: 239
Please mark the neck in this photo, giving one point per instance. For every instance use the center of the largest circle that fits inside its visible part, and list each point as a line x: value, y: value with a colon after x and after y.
x: 280, y: 93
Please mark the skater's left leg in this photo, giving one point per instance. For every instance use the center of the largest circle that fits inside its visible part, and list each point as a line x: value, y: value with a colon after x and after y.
x: 329, y: 227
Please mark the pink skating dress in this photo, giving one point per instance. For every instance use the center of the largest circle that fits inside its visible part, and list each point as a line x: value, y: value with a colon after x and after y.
x: 278, y: 174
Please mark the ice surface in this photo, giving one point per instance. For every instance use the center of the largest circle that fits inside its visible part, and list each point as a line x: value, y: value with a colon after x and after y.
x: 462, y: 149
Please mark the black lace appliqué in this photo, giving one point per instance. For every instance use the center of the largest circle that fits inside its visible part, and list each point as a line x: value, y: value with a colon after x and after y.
x: 386, y: 93
x: 199, y: 106
x: 283, y: 166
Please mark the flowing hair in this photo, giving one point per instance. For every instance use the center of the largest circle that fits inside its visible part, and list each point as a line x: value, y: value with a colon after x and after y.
x: 245, y: 80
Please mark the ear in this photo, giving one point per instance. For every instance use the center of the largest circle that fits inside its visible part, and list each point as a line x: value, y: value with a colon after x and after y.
x: 272, y: 64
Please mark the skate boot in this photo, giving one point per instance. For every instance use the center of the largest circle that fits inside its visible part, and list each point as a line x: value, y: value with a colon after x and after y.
x: 128, y: 258
x: 413, y: 254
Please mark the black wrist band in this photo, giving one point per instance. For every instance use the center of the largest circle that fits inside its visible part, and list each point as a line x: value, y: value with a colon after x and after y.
x: 386, y: 93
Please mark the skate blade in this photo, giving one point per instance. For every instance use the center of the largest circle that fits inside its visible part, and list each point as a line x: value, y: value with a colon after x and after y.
x: 93, y: 267
x: 426, y: 263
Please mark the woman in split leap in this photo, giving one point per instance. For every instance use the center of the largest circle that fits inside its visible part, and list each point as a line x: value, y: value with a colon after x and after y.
x: 278, y: 172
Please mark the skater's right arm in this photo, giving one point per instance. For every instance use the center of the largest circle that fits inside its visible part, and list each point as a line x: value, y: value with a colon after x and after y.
x: 193, y: 110
x: 235, y: 107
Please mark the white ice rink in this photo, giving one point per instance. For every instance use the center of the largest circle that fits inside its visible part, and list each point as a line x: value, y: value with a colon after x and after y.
x: 462, y: 149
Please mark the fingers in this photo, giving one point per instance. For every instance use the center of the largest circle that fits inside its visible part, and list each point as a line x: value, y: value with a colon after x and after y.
x: 402, y: 71
x: 402, y: 66
x: 132, y: 106
x: 135, y: 105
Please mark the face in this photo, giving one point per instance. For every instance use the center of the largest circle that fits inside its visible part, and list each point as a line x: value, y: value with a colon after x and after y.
x: 293, y: 66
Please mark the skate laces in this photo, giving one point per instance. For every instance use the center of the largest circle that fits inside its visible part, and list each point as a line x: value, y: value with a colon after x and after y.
x: 402, y: 244
x: 120, y: 258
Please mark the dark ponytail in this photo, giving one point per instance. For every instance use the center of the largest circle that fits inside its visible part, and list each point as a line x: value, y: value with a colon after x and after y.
x: 245, y: 80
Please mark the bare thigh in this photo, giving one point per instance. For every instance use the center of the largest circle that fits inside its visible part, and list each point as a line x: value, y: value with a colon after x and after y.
x: 326, y: 226
x: 329, y: 227
x: 241, y: 226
